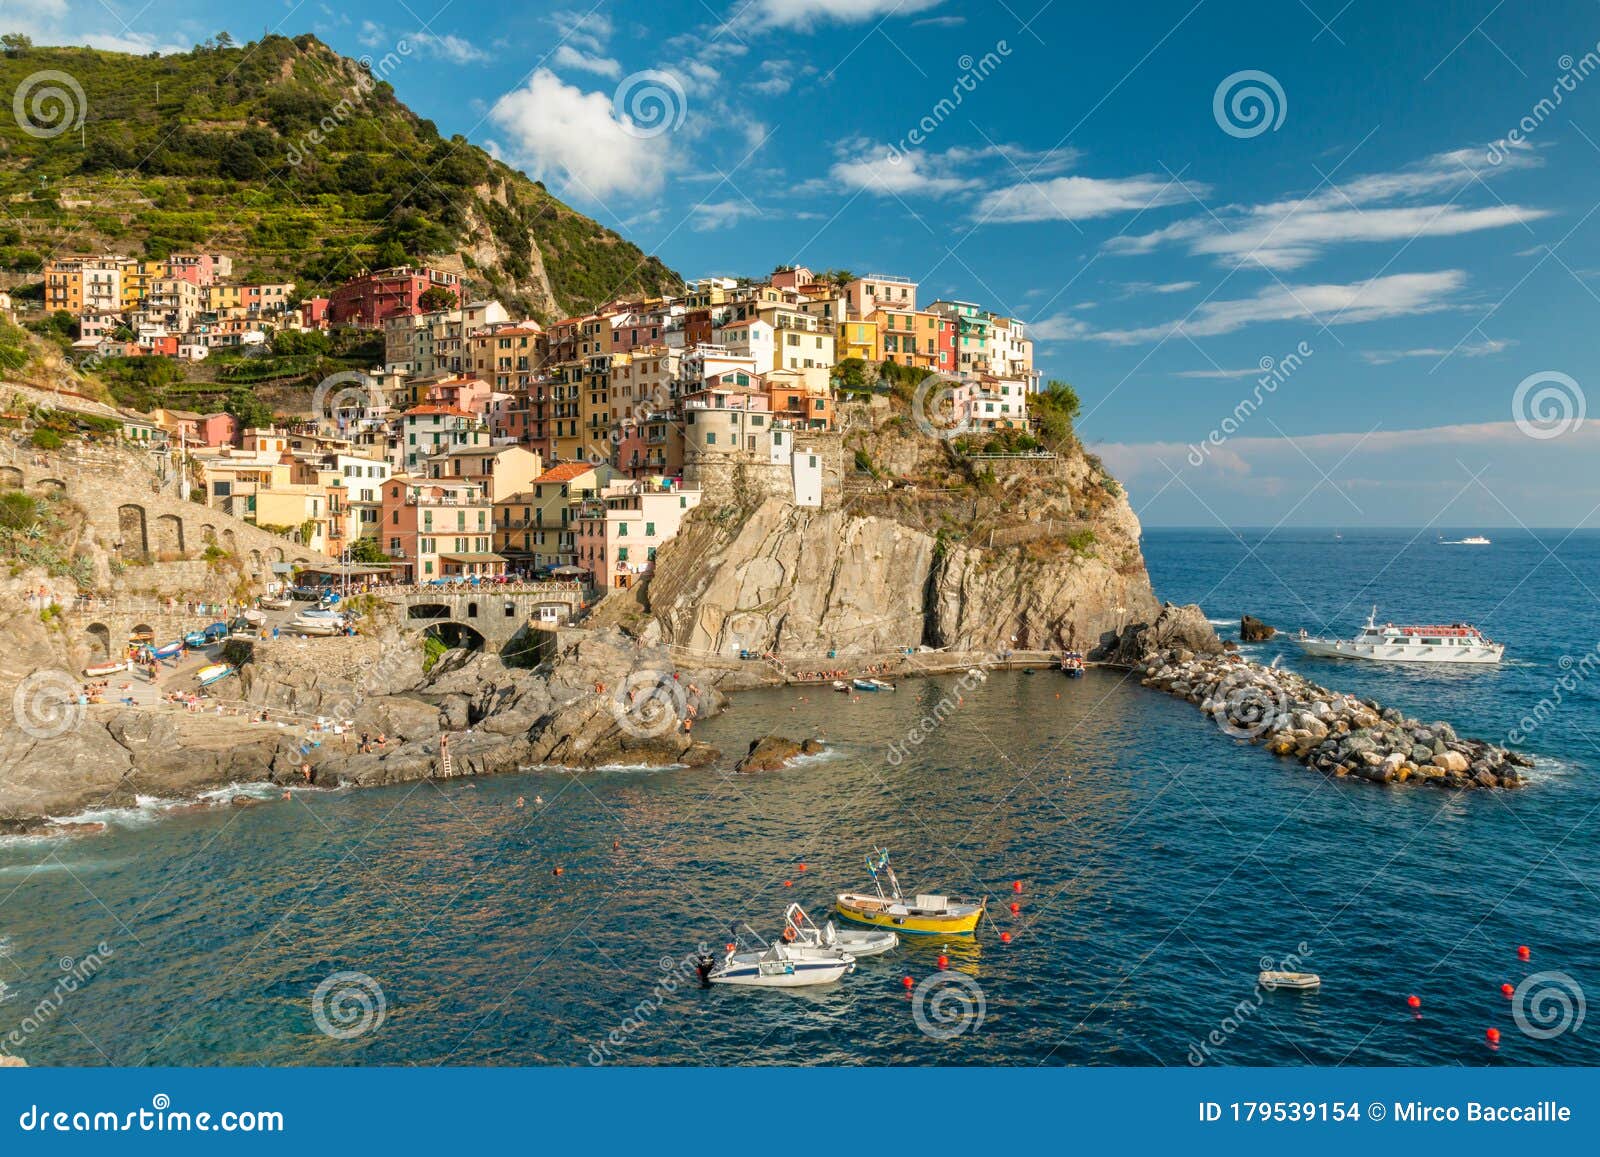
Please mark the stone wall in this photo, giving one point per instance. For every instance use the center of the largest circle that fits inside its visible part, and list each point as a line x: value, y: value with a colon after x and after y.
x: 133, y: 521
x: 734, y: 476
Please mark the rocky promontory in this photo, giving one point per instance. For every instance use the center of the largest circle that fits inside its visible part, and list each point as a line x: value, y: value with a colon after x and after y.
x: 1328, y: 731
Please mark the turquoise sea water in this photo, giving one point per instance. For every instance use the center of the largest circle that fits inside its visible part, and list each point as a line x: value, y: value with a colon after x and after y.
x: 1161, y: 863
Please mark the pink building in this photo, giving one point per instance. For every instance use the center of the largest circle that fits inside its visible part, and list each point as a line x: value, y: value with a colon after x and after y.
x: 469, y: 395
x: 437, y: 529
x: 219, y: 429
x: 618, y: 532
x: 880, y: 291
x: 200, y: 268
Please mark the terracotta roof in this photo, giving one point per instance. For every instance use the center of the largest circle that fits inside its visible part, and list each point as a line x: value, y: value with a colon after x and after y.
x: 450, y: 410
x: 565, y: 472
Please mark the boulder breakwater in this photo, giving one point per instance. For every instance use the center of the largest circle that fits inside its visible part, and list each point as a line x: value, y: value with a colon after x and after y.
x: 1332, y: 732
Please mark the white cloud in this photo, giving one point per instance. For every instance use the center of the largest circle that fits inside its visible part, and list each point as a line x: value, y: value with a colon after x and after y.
x: 1288, y: 234
x: 939, y: 22
x: 1060, y: 327
x: 554, y: 127
x: 567, y: 56
x: 722, y: 214
x: 1478, y: 349
x: 1398, y: 295
x: 448, y: 47
x: 777, y: 78
x: 1220, y: 374
x: 806, y: 15
x: 1133, y: 288
x: 878, y: 169
x: 1079, y: 198
x: 587, y: 31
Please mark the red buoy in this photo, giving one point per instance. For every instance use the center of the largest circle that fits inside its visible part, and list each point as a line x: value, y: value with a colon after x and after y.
x: 1016, y: 885
x: 944, y: 962
x: 788, y: 883
x: 558, y: 871
x: 1005, y: 938
x: 802, y: 867
x: 730, y: 947
x: 907, y: 982
x: 1015, y: 908
x: 1492, y: 1035
x: 1507, y: 991
x: 1523, y: 952
x: 1414, y: 1001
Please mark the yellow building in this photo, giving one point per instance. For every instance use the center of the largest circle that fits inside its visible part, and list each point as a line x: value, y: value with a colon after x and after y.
x: 860, y: 339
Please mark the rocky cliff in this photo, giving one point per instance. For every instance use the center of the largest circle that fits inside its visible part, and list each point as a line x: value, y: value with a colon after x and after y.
x: 924, y: 549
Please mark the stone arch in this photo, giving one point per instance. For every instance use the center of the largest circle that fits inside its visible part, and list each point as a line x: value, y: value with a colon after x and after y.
x: 300, y: 560
x: 275, y: 553
x: 167, y: 534
x: 130, y: 521
x: 258, y: 565
x: 472, y: 610
x: 97, y: 640
x: 10, y: 478
x: 456, y: 635
x: 428, y: 612
x: 142, y: 631
x: 208, y: 534
x: 51, y: 485
x: 230, y: 543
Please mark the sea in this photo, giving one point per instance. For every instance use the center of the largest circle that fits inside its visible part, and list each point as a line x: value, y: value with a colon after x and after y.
x: 1141, y: 867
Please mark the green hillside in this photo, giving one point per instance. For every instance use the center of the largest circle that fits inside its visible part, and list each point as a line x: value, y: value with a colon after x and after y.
x: 300, y: 163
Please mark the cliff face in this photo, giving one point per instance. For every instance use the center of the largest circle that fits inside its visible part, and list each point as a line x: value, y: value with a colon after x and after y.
x: 1045, y: 556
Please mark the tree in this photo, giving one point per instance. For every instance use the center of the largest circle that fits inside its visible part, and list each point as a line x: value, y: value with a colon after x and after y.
x: 1054, y: 408
x: 248, y: 410
x: 436, y: 298
x: 367, y: 551
x: 15, y: 43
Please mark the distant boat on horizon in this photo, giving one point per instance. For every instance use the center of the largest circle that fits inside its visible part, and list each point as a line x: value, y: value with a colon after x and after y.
x: 1470, y: 540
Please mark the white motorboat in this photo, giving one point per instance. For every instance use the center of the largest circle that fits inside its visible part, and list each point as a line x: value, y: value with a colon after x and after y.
x: 858, y: 942
x: 1303, y: 981
x: 779, y: 966
x: 840, y: 685
x: 1470, y: 540
x: 1455, y: 643
x: 275, y: 603
x: 318, y: 622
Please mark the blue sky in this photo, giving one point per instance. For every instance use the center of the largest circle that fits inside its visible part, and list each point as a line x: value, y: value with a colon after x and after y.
x: 1408, y: 234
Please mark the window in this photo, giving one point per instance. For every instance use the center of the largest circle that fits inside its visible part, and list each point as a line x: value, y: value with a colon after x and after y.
x: 649, y: 530
x: 711, y: 438
x: 622, y: 554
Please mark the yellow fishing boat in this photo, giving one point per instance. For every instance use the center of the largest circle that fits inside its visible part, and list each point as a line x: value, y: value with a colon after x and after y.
x: 924, y: 915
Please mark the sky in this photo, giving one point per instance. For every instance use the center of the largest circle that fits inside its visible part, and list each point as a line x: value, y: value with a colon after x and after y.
x: 1306, y: 262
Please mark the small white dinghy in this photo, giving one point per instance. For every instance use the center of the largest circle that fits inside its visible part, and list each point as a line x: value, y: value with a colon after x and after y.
x: 1296, y: 980
x: 858, y: 942
x: 779, y: 966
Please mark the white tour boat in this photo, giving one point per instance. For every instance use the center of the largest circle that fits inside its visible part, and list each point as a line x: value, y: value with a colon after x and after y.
x: 1454, y: 643
x: 1470, y: 540
x: 778, y: 966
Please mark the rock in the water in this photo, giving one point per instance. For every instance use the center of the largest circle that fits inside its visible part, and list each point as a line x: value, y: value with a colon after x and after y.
x: 1253, y: 630
x: 771, y: 752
